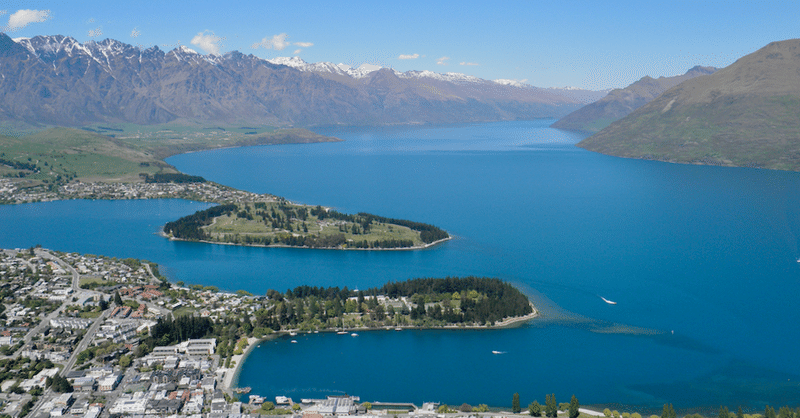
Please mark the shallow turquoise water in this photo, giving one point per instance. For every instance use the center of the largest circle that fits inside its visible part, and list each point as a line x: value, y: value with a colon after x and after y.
x: 707, y: 252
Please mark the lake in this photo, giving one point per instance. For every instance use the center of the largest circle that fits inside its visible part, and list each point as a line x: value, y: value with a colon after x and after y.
x: 702, y: 262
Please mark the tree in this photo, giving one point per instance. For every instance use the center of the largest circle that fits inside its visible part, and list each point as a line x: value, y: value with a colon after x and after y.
x: 724, y: 413
x: 515, y: 408
x: 442, y: 409
x: 785, y: 412
x: 481, y: 408
x: 739, y: 412
x: 669, y: 412
x: 268, y: 406
x: 769, y: 412
x: 465, y: 407
x: 573, y: 407
x: 296, y: 407
x: 551, y: 407
x: 607, y: 413
x: 58, y: 384
x: 367, y: 405
x: 124, y: 361
x: 117, y: 299
x: 535, y: 409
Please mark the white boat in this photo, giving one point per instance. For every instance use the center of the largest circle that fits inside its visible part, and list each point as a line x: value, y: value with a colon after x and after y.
x: 354, y: 335
x: 498, y: 352
x: 293, y: 334
x: 294, y: 341
x: 398, y: 329
x: 342, y: 332
x: 608, y: 301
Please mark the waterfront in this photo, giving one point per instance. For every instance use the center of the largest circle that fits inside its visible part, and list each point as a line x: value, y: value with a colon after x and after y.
x: 709, y: 253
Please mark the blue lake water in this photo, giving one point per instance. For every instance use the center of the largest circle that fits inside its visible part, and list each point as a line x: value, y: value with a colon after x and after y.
x: 702, y: 262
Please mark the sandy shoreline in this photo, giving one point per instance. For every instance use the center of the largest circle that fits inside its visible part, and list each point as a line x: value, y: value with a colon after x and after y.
x: 232, y: 374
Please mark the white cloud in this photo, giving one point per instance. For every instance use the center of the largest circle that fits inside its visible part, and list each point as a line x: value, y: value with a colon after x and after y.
x: 135, y: 33
x: 442, y: 61
x: 468, y: 63
x: 278, y: 43
x: 208, y: 42
x: 297, y: 51
x: 408, y: 57
x: 94, y: 33
x: 22, y: 18
x: 304, y: 44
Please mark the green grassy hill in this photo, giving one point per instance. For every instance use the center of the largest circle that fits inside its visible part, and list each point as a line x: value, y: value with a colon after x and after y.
x: 742, y: 115
x: 60, y: 154
x: 121, y: 152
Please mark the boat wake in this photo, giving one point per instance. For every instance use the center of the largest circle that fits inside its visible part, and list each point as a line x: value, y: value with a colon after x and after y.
x: 608, y: 301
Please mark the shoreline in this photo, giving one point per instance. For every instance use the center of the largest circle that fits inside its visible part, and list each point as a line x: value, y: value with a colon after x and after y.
x: 231, y: 378
x: 415, y: 247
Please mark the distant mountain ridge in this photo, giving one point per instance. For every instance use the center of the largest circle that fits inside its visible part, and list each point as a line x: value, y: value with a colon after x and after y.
x: 56, y: 80
x: 621, y: 102
x: 746, y: 114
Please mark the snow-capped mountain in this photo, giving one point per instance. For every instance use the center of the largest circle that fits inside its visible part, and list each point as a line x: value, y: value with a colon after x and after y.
x: 57, y: 80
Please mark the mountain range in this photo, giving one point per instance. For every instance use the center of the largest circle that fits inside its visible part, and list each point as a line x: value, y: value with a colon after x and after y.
x: 621, y: 102
x: 55, y: 80
x: 746, y: 114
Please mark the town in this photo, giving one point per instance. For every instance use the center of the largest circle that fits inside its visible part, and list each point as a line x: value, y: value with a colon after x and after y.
x: 12, y: 192
x: 91, y: 336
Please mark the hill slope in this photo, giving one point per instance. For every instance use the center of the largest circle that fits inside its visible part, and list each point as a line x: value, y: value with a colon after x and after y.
x: 621, y: 102
x: 56, y: 80
x: 743, y: 115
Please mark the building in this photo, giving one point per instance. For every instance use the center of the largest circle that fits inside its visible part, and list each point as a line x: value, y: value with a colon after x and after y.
x: 164, y: 351
x: 109, y: 383
x: 84, y: 384
x: 204, y: 347
x: 336, y: 406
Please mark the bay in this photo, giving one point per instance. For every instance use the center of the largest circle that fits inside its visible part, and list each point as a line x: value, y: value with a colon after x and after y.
x: 700, y: 260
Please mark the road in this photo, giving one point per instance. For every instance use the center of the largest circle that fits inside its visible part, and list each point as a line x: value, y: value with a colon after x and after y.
x: 75, y: 276
x: 87, y: 338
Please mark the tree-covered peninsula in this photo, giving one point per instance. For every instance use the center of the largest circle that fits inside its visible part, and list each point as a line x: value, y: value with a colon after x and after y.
x: 428, y: 302
x: 280, y: 223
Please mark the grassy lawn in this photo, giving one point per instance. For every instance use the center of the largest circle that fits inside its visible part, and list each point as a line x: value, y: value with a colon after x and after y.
x: 183, y: 310
x: 91, y: 279
x: 261, y: 225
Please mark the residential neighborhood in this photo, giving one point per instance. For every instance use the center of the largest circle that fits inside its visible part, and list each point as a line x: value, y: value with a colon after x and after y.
x: 92, y: 336
x: 13, y: 191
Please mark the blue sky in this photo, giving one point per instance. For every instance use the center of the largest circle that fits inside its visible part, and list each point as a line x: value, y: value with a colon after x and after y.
x: 589, y: 44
